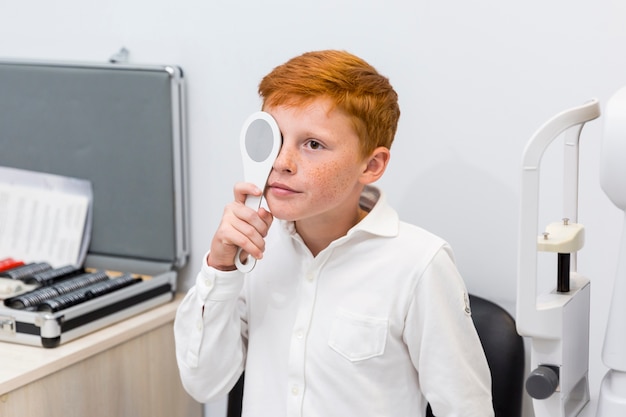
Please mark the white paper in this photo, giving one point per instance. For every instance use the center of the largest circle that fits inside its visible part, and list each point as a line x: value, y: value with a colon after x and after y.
x: 44, y: 217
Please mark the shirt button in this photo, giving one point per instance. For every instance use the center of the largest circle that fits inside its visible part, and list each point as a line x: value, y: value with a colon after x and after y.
x: 199, y: 325
x: 310, y: 276
x: 208, y: 283
x: 295, y: 390
x: 299, y: 334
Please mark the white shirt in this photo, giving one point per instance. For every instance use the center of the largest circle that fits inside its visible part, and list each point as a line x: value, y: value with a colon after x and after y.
x: 377, y: 324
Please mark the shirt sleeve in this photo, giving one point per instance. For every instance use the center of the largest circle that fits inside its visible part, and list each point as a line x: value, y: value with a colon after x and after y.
x: 445, y: 349
x: 210, y: 334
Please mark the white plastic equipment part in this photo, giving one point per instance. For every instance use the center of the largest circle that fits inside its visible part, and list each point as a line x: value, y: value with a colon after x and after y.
x: 260, y: 143
x: 558, y: 321
x: 612, y: 398
x: 562, y: 237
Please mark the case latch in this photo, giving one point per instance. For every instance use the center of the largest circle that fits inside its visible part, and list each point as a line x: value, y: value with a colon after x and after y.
x: 7, y: 324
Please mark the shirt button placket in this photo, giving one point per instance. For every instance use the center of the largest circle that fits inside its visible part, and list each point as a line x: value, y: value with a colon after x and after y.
x: 298, y: 347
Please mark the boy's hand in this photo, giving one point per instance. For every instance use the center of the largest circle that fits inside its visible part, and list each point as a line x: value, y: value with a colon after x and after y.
x: 241, y: 227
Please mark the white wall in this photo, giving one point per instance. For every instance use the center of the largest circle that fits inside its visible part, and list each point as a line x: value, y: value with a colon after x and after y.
x: 475, y: 80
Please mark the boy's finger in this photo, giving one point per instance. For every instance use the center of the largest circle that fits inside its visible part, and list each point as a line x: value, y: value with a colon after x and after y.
x: 243, y: 189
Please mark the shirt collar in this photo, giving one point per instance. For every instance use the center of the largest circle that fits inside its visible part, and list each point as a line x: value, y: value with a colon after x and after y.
x: 382, y: 219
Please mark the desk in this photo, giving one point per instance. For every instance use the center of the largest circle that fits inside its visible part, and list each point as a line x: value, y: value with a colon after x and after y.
x: 125, y: 370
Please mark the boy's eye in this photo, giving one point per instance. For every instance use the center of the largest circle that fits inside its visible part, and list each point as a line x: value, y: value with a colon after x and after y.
x: 313, y: 144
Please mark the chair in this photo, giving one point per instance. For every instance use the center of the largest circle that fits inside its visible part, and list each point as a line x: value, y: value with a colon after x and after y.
x: 503, y: 347
x: 235, y: 397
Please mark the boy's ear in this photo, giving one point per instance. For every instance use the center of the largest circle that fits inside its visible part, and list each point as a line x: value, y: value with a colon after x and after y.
x: 376, y: 164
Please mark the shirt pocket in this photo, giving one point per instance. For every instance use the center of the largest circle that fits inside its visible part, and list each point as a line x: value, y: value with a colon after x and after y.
x: 358, y: 337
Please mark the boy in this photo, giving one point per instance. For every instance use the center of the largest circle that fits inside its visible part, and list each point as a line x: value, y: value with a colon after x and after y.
x: 350, y: 312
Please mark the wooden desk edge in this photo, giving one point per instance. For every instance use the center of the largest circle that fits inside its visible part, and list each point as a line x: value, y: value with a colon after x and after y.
x: 43, y: 362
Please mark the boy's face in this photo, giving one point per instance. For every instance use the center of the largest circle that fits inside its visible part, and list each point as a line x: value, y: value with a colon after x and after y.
x: 318, y: 170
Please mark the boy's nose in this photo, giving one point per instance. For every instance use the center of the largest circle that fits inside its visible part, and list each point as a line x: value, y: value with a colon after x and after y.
x: 285, y: 161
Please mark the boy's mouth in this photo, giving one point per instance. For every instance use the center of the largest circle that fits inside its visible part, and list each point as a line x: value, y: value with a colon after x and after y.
x: 281, y: 188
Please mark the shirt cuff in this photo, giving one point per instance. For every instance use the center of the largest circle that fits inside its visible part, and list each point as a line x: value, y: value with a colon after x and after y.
x: 215, y: 285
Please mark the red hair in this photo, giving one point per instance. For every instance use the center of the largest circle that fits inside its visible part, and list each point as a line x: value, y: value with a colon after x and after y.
x: 354, y: 86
